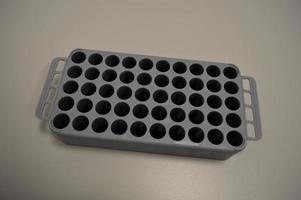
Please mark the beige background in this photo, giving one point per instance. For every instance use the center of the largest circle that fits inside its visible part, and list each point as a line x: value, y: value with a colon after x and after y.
x: 261, y: 37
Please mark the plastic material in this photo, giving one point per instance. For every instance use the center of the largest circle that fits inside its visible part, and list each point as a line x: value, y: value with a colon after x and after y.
x: 151, y: 104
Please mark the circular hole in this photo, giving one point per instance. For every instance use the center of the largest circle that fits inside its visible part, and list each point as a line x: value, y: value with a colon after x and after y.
x: 177, y: 133
x: 162, y: 66
x: 124, y: 92
x: 61, y: 121
x: 213, y: 86
x: 233, y: 120
x: 231, y: 87
x: 103, y: 107
x: 106, y: 90
x: 179, y: 67
x: 74, y: 71
x: 119, y: 127
x: 99, y: 125
x: 177, y: 114
x: 109, y: 75
x: 144, y: 79
x: 196, y: 134
x: 70, y: 87
x: 230, y: 72
x: 196, y: 69
x: 126, y: 77
x: 138, y: 129
x: 78, y: 57
x: 140, y: 111
x: 88, y: 89
x: 66, y: 103
x: 92, y: 73
x: 214, y: 101
x: 213, y: 71
x: 179, y: 82
x: 129, y: 62
x: 161, y: 80
x: 234, y: 138
x: 159, y: 113
x: 146, y: 64
x: 196, y: 100
x: 215, y: 118
x: 142, y: 94
x: 196, y: 116
x: 178, y: 98
x: 196, y: 84
x: 84, y: 105
x: 112, y: 60
x: 215, y: 136
x: 95, y: 59
x: 160, y: 96
x: 80, y: 123
x: 122, y: 109
x: 157, y: 131
x: 232, y: 103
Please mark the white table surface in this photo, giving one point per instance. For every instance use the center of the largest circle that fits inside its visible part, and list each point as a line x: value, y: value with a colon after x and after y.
x: 261, y: 37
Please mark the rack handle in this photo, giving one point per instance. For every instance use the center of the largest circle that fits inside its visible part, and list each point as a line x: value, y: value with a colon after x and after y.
x: 256, y: 122
x: 49, y: 85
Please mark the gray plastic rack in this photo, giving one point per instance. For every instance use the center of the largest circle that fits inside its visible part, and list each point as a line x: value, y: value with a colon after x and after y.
x: 150, y: 104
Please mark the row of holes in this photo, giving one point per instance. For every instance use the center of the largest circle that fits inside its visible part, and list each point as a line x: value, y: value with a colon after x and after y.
x: 141, y: 111
x: 107, y: 90
x: 147, y: 64
x: 159, y: 96
x: 139, y: 129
